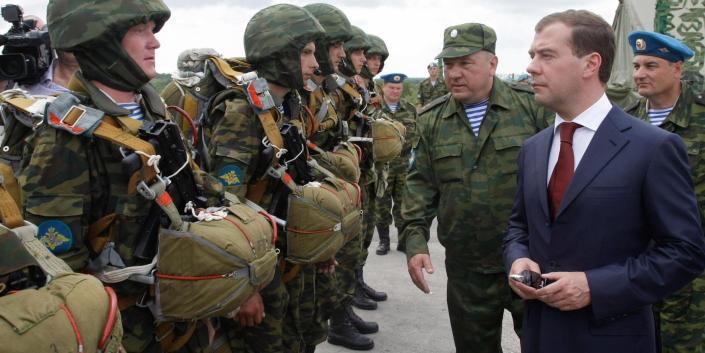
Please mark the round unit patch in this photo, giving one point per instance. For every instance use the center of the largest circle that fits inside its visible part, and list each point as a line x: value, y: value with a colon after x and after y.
x: 230, y: 175
x: 55, y: 235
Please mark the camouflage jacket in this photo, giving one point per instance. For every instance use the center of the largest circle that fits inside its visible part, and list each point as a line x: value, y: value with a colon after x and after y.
x: 688, y: 121
x: 69, y: 182
x: 236, y: 148
x: 406, y: 114
x: 468, y: 182
x: 347, y: 109
x: 326, y: 127
x: 428, y: 92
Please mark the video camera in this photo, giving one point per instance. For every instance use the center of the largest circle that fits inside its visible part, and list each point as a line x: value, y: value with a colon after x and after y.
x: 27, y: 52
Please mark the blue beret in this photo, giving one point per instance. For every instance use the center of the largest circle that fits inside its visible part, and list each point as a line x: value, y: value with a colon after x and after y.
x: 659, y: 45
x: 393, y: 78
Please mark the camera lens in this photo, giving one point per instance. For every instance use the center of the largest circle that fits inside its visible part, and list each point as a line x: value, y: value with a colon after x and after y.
x: 12, y: 66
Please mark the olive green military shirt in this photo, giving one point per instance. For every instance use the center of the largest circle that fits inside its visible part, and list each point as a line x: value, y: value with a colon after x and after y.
x: 687, y: 119
x: 468, y: 182
x: 428, y: 92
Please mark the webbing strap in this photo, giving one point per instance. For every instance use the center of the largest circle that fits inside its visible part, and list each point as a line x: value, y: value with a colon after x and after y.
x: 271, y: 129
x: 351, y: 91
x: 225, y: 68
x: 167, y: 337
x: 288, y: 276
x: 10, y: 213
x: 255, y: 192
x: 97, y: 229
x: 107, y: 129
x: 191, y: 107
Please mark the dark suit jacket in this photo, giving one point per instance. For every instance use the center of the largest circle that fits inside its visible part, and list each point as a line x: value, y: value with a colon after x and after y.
x: 629, y: 220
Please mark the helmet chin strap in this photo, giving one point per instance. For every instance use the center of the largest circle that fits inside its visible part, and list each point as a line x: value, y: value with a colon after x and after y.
x: 106, y: 61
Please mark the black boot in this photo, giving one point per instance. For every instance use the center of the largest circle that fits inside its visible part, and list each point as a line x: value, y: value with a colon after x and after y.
x: 383, y: 247
x: 310, y: 349
x: 361, y: 301
x: 369, y: 291
x: 362, y: 326
x: 342, y: 333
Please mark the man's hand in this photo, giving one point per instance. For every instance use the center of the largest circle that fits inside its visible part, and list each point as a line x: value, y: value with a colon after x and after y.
x: 570, y: 291
x: 521, y: 289
x: 251, y: 311
x: 416, y: 264
x: 327, y: 267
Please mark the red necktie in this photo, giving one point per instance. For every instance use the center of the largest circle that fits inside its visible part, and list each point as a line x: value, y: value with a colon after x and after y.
x: 563, y: 172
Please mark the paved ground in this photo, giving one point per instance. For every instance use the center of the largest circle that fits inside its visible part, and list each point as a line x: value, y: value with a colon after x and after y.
x: 411, y: 321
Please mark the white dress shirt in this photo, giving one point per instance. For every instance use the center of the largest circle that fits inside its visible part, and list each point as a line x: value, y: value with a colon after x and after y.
x: 589, y: 120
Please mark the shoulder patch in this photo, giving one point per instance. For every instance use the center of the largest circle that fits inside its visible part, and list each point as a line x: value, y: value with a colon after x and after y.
x: 434, y: 103
x: 230, y: 175
x: 55, y: 235
x: 66, y: 113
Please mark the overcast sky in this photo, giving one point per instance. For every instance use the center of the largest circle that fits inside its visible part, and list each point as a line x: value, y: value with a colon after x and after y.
x: 412, y: 29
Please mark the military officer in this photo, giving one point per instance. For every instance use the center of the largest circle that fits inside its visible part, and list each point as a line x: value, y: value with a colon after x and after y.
x: 430, y: 88
x: 672, y: 104
x: 391, y: 200
x: 464, y: 172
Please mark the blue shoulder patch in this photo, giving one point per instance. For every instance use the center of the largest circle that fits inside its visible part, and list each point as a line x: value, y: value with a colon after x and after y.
x: 230, y: 175
x: 55, y: 235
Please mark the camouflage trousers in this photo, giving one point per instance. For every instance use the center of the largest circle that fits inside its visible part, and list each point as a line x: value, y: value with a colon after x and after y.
x: 388, y: 207
x: 267, y: 336
x: 368, y: 220
x: 681, y: 318
x: 476, y: 303
x: 312, y: 297
x: 348, y: 261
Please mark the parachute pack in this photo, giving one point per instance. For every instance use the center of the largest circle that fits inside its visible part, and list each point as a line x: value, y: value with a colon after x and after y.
x: 44, y: 306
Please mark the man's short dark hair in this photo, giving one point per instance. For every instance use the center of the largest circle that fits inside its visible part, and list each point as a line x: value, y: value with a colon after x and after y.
x: 590, y: 34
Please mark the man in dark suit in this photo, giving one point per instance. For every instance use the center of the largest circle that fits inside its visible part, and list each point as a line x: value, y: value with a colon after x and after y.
x: 604, y: 205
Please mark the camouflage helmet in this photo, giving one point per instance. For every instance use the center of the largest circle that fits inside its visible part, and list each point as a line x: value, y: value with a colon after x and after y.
x: 94, y: 29
x: 274, y: 38
x: 334, y: 21
x: 75, y: 22
x: 358, y: 41
x: 337, y: 28
x: 377, y: 47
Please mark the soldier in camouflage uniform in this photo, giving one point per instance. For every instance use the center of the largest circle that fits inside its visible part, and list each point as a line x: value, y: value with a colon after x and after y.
x: 430, y: 88
x: 279, y: 44
x: 346, y: 326
x: 114, y: 44
x: 401, y: 110
x: 375, y: 57
x: 672, y: 104
x: 464, y: 172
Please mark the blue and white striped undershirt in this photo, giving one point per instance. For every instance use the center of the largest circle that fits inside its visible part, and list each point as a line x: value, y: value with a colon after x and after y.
x: 657, y: 116
x: 135, y: 110
x: 393, y: 107
x: 475, y: 113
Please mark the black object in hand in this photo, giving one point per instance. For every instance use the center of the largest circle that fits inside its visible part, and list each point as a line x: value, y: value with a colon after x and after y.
x: 531, y: 279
